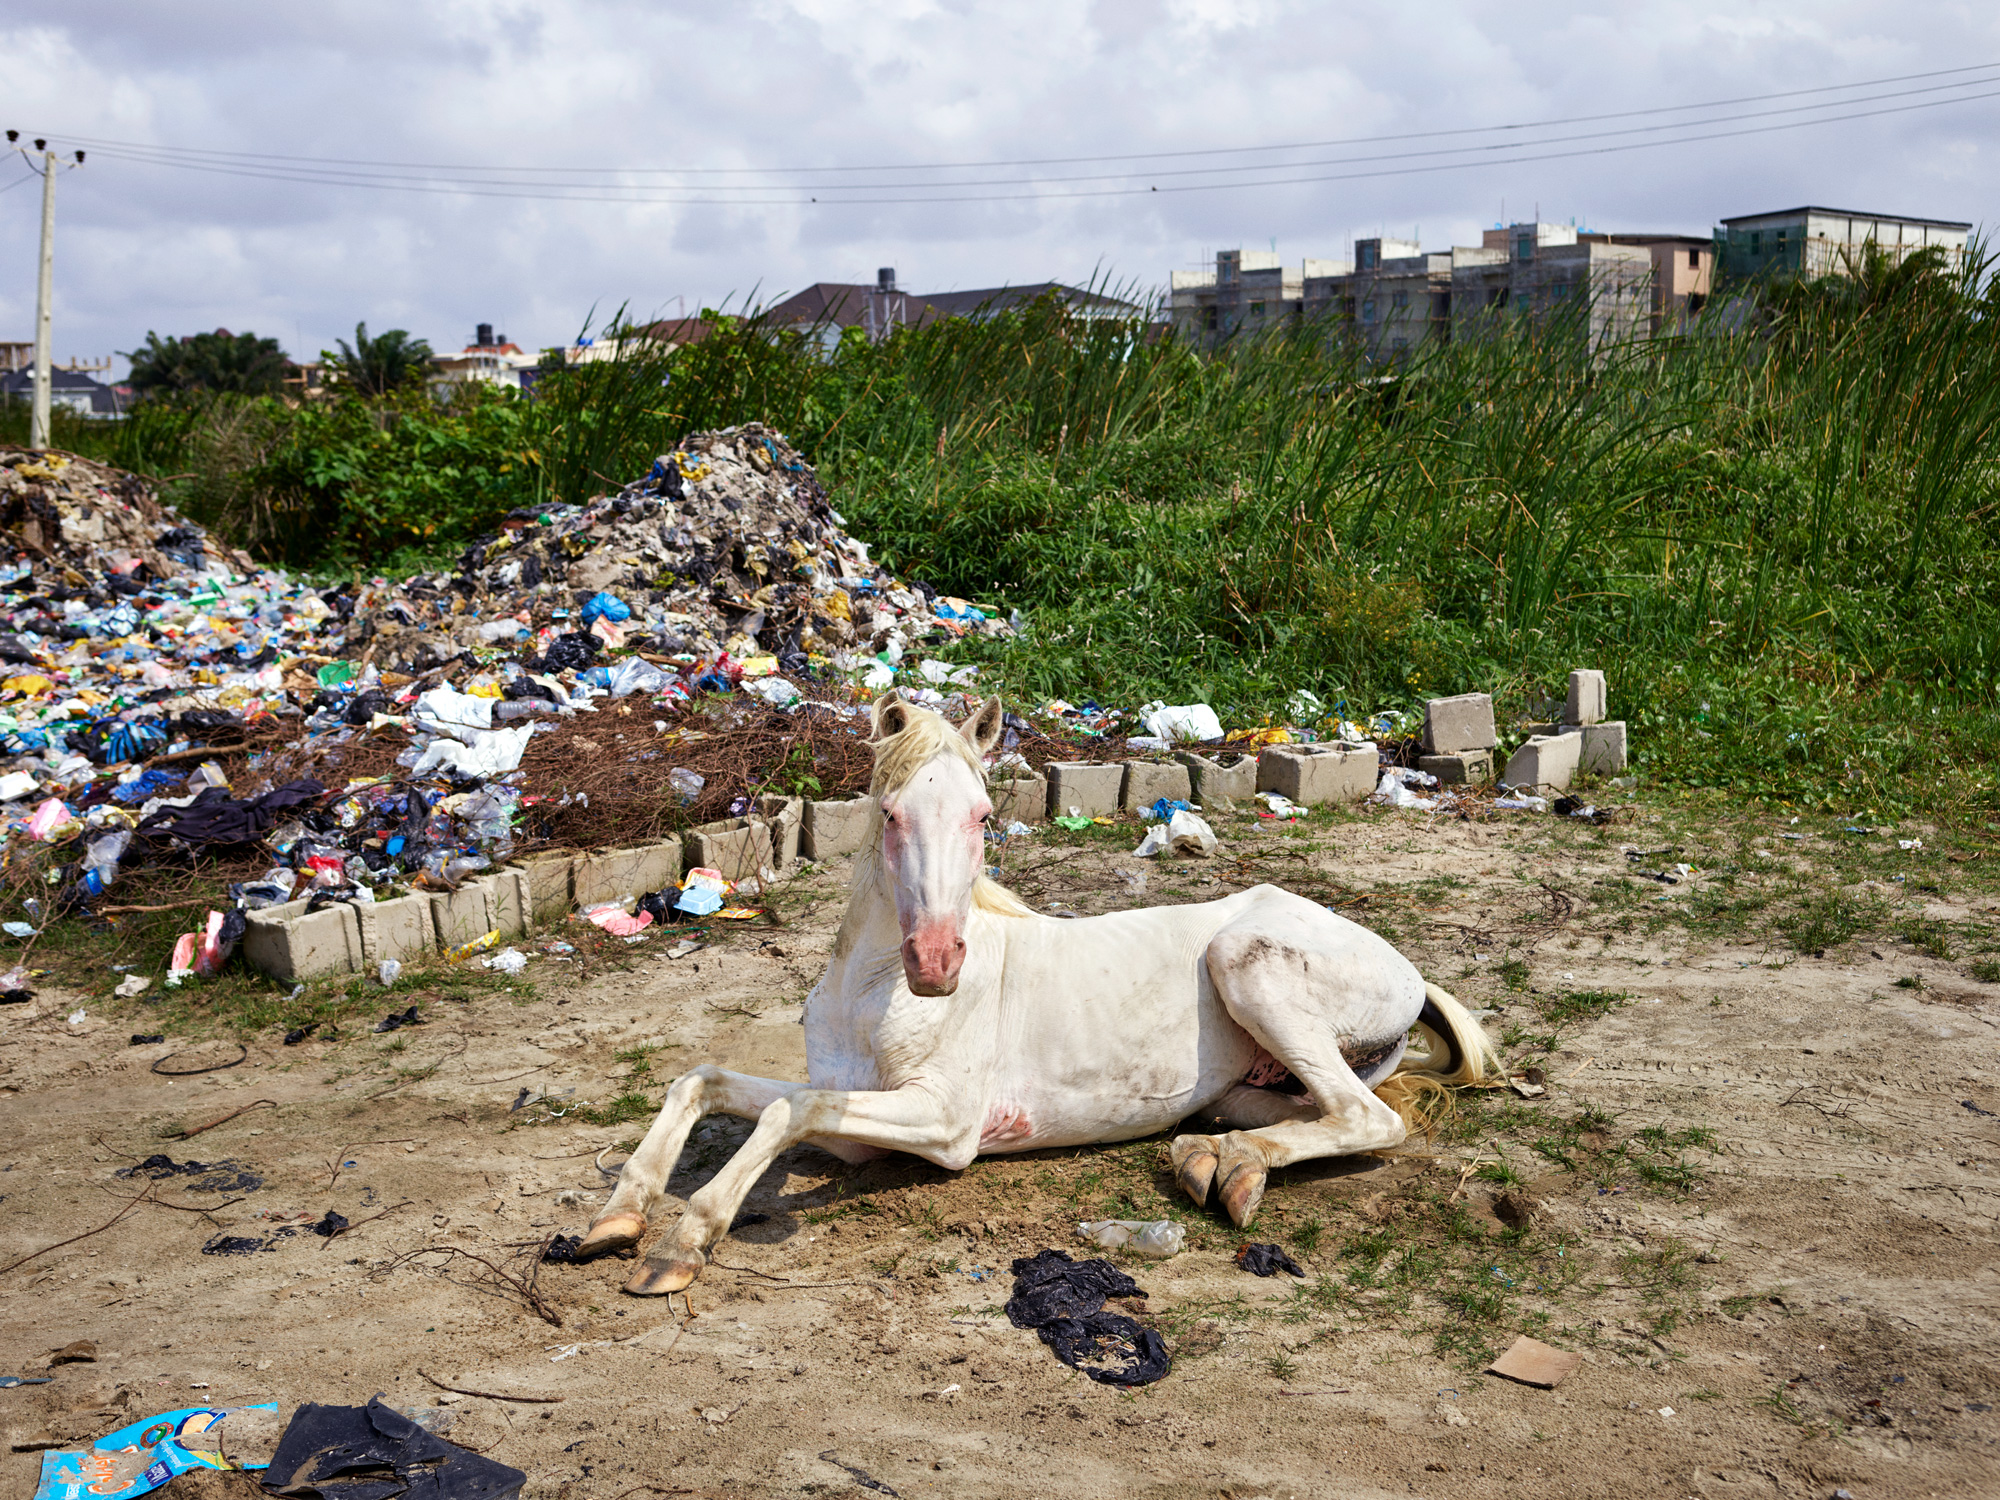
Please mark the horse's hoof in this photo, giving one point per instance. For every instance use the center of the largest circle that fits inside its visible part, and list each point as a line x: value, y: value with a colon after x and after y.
x: 1242, y: 1191
x: 660, y: 1278
x: 610, y: 1234
x: 1196, y: 1174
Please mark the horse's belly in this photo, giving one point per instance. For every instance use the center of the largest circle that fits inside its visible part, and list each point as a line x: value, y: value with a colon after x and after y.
x: 1115, y: 1037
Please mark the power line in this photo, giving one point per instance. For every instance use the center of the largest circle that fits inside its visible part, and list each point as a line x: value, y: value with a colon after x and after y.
x: 1508, y: 154
x: 309, y: 162
x: 351, y: 178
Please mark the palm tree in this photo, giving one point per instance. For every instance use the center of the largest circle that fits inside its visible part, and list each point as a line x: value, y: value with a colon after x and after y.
x: 237, y: 363
x: 380, y: 365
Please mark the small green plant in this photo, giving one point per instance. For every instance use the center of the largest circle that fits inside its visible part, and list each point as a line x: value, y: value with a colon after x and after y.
x: 1986, y: 970
x: 1823, y: 922
x: 1281, y: 1366
x: 1927, y: 936
x: 1566, y: 1006
x: 1910, y: 982
x: 1514, y: 974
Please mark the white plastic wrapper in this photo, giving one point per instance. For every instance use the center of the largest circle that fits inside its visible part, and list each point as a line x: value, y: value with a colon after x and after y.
x: 1156, y: 1240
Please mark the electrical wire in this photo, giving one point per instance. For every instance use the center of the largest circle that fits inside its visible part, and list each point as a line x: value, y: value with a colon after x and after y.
x: 567, y: 172
x: 369, y: 179
x: 1411, y: 163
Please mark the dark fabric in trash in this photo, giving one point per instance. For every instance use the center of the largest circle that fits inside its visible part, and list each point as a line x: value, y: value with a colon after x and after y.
x: 376, y: 1453
x: 1051, y: 1285
x: 1139, y: 1352
x: 1266, y: 1260
x: 215, y: 817
x: 561, y: 1249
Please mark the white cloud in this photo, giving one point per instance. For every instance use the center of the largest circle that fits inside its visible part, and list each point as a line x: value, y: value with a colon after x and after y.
x: 573, y: 85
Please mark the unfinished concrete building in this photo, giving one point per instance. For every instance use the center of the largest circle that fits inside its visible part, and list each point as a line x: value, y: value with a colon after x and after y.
x: 1813, y: 241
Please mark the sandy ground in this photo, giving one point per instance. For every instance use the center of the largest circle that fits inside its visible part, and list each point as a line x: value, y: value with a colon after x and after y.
x: 1811, y: 1307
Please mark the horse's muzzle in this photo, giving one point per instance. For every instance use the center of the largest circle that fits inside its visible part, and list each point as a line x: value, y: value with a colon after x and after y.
x: 932, y: 956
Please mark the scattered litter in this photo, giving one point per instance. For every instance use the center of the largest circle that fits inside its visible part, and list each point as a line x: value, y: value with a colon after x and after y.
x: 397, y: 1020
x: 141, y: 1456
x: 147, y: 1039
x: 77, y: 1017
x: 1267, y: 1260
x: 561, y: 1249
x: 1156, y: 1239
x: 684, y: 947
x: 1395, y: 789
x: 1532, y: 1362
x: 388, y: 972
x: 1517, y: 803
x: 1276, y: 806
x: 1063, y: 1300
x: 132, y: 986
x: 1912, y: 845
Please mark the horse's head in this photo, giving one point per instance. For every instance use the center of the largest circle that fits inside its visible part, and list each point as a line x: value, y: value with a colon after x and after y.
x: 931, y: 785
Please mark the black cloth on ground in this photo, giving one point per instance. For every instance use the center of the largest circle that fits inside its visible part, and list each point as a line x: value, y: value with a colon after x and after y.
x: 377, y: 1453
x: 215, y: 817
x: 1267, y: 1260
x: 1051, y: 1285
x: 1063, y: 1301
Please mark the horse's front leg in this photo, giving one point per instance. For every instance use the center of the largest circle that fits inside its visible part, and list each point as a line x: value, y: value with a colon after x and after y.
x: 905, y: 1119
x: 705, y: 1090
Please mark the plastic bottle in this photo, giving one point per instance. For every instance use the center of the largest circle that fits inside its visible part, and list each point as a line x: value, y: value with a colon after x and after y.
x: 1155, y: 1240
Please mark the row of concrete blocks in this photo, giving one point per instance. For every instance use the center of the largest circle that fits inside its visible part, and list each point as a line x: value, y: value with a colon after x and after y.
x: 290, y: 943
x: 1307, y: 774
x: 1460, y: 739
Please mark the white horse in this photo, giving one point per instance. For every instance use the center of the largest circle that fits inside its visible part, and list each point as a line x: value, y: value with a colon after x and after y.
x: 953, y: 1020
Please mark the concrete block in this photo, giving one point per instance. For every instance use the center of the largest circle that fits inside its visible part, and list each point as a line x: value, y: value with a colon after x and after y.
x: 513, y: 903
x: 288, y: 943
x: 737, y: 847
x: 1147, y: 781
x: 1461, y: 768
x: 1312, y: 774
x: 550, y: 887
x: 785, y: 817
x: 1019, y: 799
x: 401, y: 929
x: 1603, y: 748
x: 1585, y: 704
x: 1219, y: 784
x: 1545, y: 762
x: 1461, y: 723
x: 1091, y: 790
x: 457, y: 917
x: 625, y: 874
x: 834, y: 828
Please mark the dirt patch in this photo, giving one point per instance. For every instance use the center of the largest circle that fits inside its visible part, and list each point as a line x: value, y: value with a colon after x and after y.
x: 1757, y: 1196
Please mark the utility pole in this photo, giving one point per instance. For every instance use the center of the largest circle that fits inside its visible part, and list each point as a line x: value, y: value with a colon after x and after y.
x: 45, y: 288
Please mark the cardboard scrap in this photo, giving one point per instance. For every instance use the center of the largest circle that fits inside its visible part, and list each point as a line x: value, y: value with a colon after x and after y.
x: 1533, y: 1362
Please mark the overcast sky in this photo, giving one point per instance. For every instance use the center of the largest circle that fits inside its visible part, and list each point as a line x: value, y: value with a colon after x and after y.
x: 588, y: 89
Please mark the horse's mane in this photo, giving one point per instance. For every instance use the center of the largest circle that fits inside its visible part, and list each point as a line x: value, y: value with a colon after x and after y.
x: 898, y: 757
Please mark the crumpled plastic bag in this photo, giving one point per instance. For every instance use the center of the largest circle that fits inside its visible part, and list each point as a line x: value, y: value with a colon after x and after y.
x: 494, y: 752
x: 1184, y: 833
x: 1394, y: 788
x: 448, y: 711
x: 1189, y: 721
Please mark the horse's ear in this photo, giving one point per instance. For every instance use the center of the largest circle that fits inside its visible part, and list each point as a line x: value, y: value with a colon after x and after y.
x: 892, y: 715
x: 982, y: 730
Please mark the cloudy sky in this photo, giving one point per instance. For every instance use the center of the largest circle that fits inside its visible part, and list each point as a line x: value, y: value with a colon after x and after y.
x: 292, y: 168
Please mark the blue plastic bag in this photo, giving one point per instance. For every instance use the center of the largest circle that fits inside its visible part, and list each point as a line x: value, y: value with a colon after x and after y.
x: 605, y: 605
x: 142, y: 1456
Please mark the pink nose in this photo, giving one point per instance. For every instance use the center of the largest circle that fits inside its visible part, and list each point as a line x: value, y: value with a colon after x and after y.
x: 931, y: 958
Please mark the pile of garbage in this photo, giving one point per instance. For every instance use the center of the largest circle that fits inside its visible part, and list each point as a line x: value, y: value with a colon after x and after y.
x: 164, y: 696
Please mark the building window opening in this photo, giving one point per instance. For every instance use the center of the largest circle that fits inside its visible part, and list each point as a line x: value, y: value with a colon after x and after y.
x: 1368, y: 311
x: 1256, y: 309
x: 1524, y: 247
x: 1694, y: 260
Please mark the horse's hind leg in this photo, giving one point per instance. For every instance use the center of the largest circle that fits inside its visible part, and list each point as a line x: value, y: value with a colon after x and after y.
x: 704, y: 1090
x: 1195, y: 1157
x: 1296, y: 986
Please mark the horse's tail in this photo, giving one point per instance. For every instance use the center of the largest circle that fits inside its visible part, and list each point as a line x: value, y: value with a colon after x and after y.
x: 1457, y: 1055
